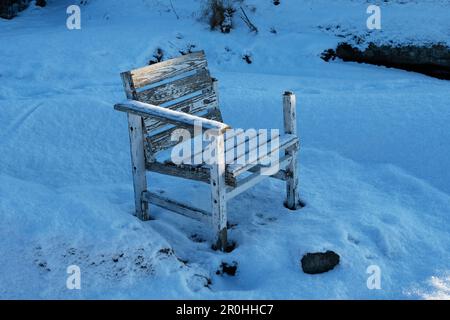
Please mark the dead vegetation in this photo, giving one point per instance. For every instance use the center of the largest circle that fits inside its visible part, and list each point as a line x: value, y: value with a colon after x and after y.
x: 219, y: 14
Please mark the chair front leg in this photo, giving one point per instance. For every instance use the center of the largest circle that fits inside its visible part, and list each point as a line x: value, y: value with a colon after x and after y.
x: 290, y: 127
x: 218, y: 194
x: 135, y: 130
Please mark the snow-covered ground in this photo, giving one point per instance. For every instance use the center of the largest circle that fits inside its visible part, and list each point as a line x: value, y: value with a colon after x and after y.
x: 375, y: 170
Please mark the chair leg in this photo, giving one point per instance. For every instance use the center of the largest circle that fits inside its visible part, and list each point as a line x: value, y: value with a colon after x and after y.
x: 292, y: 194
x: 290, y: 127
x: 219, y: 213
x: 219, y: 209
x: 138, y: 165
x: 218, y: 199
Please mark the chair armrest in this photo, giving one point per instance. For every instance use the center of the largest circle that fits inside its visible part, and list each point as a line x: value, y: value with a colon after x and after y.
x: 171, y: 116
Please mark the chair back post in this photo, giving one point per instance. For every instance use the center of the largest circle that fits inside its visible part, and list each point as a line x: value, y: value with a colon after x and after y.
x: 137, y: 151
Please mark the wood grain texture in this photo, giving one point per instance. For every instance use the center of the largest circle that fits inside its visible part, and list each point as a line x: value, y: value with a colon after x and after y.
x: 196, y: 106
x: 177, y: 207
x: 218, y: 195
x: 170, y: 116
x: 255, y: 178
x: 138, y: 165
x: 162, y: 140
x: 286, y: 141
x: 216, y: 92
x: 137, y: 151
x: 290, y: 127
x: 191, y: 172
x: 168, y: 69
x: 176, y: 89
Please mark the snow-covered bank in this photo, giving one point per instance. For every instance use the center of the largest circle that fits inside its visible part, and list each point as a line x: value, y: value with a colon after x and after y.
x: 374, y: 168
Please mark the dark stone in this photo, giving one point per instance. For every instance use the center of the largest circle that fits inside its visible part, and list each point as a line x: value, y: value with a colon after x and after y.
x: 247, y: 58
x: 229, y: 269
x: 10, y: 8
x: 41, y: 3
x: 314, y: 263
x: 158, y: 56
x: 328, y: 55
x: 432, y: 60
x: 197, y: 238
x: 166, y: 251
x: 231, y: 245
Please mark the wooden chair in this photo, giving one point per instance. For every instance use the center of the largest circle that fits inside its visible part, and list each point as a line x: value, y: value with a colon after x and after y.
x: 180, y: 93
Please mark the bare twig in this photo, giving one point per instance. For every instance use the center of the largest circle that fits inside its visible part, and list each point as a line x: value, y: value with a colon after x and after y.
x: 174, y: 11
x: 247, y: 21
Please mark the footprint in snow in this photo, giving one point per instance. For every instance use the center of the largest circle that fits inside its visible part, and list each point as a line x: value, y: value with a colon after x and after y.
x: 352, y: 239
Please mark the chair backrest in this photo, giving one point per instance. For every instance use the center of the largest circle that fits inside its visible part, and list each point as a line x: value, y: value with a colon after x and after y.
x: 182, y: 84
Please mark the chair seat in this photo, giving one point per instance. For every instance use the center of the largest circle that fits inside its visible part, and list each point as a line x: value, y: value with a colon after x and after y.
x: 255, y: 151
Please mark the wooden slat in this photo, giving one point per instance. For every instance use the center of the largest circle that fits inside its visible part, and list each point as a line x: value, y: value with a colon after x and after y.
x: 228, y: 136
x: 161, y: 141
x: 236, y: 152
x: 235, y: 168
x: 286, y: 141
x: 177, y: 89
x: 177, y: 207
x: 167, y: 69
x: 195, y: 105
x: 280, y: 175
x: 255, y: 178
x: 231, y: 145
x: 196, y: 173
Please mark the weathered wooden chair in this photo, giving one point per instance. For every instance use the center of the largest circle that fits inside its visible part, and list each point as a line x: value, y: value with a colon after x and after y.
x: 180, y: 93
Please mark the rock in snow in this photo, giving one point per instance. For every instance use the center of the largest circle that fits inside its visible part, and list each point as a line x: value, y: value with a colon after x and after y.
x: 319, y: 262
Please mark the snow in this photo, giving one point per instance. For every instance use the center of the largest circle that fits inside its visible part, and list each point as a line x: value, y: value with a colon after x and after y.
x: 374, y: 162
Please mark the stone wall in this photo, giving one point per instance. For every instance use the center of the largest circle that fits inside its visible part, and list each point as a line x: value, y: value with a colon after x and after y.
x: 433, y: 60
